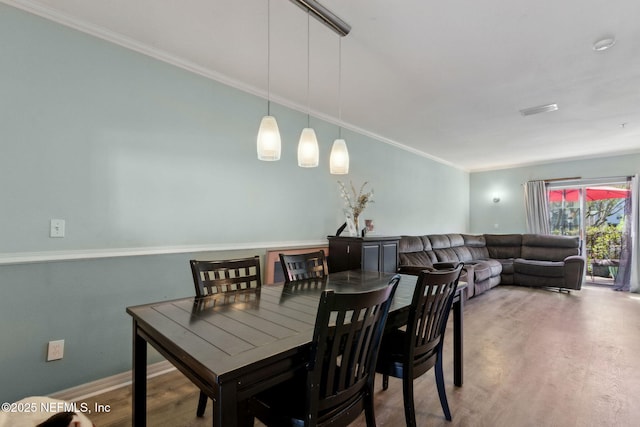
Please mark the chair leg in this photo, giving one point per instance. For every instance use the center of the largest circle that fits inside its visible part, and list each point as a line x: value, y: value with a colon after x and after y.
x: 385, y: 381
x: 441, y: 391
x: 202, y: 404
x: 369, y: 412
x: 409, y: 408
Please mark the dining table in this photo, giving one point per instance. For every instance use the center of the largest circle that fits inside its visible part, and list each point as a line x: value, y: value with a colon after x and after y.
x: 237, y: 344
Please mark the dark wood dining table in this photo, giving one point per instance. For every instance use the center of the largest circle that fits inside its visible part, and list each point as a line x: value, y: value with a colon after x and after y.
x: 236, y: 345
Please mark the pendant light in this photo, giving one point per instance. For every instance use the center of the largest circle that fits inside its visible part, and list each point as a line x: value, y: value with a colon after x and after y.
x: 269, y: 143
x: 308, y: 151
x: 339, y: 159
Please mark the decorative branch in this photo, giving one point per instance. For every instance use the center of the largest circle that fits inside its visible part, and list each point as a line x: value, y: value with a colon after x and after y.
x: 355, y: 202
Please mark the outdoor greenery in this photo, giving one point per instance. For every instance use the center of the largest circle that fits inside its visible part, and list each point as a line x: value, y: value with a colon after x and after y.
x: 599, y: 211
x: 603, y: 239
x: 604, y: 242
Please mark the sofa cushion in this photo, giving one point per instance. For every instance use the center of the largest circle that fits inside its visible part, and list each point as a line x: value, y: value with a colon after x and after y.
x: 550, y: 240
x: 501, y: 246
x: 477, y: 246
x: 426, y: 243
x: 494, y: 265
x: 416, y: 259
x: 507, y: 265
x: 410, y: 244
x: 455, y: 240
x: 479, y: 253
x: 446, y: 254
x: 474, y: 241
x: 539, y: 268
x: 549, y: 248
x: 485, y: 285
x: 439, y: 241
x: 482, y: 271
x: 463, y: 253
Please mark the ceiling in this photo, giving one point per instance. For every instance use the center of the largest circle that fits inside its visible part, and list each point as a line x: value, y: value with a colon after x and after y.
x: 442, y: 79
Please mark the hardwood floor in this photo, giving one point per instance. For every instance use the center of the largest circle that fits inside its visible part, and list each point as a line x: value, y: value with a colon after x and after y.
x: 533, y: 357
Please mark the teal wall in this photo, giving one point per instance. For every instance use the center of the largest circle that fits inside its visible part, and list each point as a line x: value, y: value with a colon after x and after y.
x: 136, y: 153
x: 509, y: 213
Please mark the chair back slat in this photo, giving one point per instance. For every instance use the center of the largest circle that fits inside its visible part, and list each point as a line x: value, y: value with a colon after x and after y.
x: 304, y: 266
x: 216, y: 277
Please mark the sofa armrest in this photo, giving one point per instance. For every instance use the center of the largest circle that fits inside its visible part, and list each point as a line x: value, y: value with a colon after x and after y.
x: 413, y: 270
x: 574, y: 271
x: 446, y: 265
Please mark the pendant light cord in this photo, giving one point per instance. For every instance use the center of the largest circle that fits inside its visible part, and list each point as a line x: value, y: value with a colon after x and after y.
x: 268, y: 57
x: 308, y: 69
x: 339, y: 87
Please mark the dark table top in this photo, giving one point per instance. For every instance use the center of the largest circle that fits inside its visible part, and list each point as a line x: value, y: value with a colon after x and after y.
x: 222, y: 336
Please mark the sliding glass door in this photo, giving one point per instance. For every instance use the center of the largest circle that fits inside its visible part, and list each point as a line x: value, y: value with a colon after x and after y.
x: 595, y: 212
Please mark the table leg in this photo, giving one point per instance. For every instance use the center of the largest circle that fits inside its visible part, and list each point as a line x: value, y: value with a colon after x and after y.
x: 139, y: 380
x: 225, y: 411
x: 458, y: 363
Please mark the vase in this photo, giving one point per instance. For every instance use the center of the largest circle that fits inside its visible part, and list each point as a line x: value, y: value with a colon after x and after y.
x: 356, y: 224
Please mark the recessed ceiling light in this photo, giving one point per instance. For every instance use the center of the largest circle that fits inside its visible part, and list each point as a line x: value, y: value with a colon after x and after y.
x: 539, y: 109
x: 604, y: 44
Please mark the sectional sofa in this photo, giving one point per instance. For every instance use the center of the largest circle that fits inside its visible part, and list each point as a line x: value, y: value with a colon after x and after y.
x: 493, y: 259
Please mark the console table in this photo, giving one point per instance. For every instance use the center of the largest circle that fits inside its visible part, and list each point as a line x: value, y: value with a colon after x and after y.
x: 375, y: 253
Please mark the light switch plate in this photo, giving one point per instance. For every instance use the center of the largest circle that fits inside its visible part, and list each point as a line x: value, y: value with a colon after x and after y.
x: 57, y: 228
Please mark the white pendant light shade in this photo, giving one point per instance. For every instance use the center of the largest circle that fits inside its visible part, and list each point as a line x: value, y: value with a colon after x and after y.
x: 269, y: 139
x: 308, y: 151
x: 339, y: 160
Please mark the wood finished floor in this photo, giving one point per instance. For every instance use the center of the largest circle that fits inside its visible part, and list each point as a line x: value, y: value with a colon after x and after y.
x: 533, y: 357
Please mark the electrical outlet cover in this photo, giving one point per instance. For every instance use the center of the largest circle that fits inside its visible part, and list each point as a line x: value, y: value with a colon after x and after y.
x: 55, y: 350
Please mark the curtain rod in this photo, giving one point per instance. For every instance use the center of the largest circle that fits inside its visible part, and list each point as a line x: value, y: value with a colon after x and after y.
x: 324, y: 15
x: 577, y: 178
x: 578, y: 181
x: 562, y: 179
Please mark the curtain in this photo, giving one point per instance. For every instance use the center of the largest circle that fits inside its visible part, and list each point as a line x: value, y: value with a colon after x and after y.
x: 628, y: 277
x: 623, y: 275
x: 537, y: 207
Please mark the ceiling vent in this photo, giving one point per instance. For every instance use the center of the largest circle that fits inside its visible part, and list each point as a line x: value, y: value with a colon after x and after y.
x: 539, y: 109
x: 604, y: 44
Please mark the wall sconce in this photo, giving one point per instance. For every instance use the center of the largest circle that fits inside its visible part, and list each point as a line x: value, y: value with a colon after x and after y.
x: 496, y: 199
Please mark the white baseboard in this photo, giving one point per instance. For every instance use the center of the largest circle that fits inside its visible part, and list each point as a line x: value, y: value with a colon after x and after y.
x: 103, y: 385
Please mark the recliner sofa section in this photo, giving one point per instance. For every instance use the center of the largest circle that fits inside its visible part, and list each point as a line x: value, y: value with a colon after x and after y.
x: 539, y: 260
x: 417, y: 253
x: 493, y: 259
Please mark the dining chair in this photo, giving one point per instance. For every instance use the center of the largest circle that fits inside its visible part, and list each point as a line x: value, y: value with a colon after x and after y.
x: 302, y: 288
x: 304, y: 266
x: 220, y: 277
x: 409, y: 353
x: 215, y: 277
x: 336, y: 384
